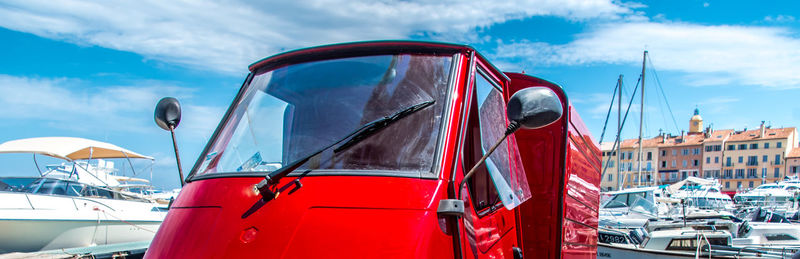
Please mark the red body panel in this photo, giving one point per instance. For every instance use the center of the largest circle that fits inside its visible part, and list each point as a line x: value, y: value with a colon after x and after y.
x: 396, y: 217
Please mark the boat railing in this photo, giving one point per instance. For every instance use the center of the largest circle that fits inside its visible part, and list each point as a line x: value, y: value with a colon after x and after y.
x: 762, y: 251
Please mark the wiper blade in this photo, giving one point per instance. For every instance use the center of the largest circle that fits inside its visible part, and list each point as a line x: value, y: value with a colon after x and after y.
x: 379, y: 124
x: 354, y: 137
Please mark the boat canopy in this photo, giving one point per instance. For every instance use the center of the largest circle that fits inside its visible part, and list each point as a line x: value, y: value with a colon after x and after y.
x: 68, y: 148
x: 691, y: 179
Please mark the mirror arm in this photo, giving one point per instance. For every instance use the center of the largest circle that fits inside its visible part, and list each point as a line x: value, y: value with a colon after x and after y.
x: 512, y: 127
x: 177, y: 157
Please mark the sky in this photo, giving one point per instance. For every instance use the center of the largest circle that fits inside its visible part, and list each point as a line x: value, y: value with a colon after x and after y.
x: 96, y: 69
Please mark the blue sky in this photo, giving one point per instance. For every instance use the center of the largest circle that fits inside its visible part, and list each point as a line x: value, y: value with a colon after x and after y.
x: 96, y: 70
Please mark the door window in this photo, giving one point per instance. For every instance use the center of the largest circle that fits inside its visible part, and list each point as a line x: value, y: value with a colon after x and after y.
x: 500, y: 178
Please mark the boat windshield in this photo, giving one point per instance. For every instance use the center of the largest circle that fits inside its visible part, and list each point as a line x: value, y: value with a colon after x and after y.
x: 769, y: 187
x: 292, y: 111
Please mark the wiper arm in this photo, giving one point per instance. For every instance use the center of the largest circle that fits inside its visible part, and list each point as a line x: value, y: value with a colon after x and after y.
x: 373, y: 127
x: 354, y: 137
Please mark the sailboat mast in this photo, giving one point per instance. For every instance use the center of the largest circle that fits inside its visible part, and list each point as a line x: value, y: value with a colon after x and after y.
x: 641, y: 121
x: 619, y: 131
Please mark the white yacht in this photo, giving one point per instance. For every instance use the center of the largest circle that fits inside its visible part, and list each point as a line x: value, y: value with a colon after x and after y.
x: 770, y: 195
x: 76, y: 204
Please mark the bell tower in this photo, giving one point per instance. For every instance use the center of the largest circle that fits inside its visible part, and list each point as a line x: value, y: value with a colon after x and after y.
x: 696, y: 123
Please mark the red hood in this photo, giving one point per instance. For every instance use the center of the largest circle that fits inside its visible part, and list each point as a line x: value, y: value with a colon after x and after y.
x: 331, y: 216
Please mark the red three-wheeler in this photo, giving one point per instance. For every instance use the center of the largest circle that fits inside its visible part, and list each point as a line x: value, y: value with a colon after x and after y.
x: 389, y: 149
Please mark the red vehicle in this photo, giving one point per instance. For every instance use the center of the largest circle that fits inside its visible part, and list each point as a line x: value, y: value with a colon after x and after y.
x: 360, y: 150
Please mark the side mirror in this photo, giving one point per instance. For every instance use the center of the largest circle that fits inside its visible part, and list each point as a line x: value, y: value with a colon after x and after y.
x: 168, y: 116
x: 533, y: 108
x: 168, y: 113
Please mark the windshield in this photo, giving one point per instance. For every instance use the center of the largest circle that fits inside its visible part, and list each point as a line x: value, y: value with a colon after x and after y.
x: 290, y: 112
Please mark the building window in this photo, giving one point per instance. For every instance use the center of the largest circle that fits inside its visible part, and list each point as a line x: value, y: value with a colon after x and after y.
x: 709, y: 148
x: 718, y: 148
x: 739, y: 173
x: 764, y: 172
x: 778, y: 159
x: 663, y: 164
x: 673, y: 176
x: 752, y: 160
x: 764, y: 158
x: 728, y: 163
x: 739, y: 185
x: 649, y: 156
x: 716, y: 160
x: 742, y: 146
x: 663, y: 153
x: 778, y: 145
x: 727, y: 185
x: 754, y: 146
x: 649, y: 166
x: 684, y: 163
x: 728, y: 174
x: 716, y: 173
x: 684, y: 175
x: 766, y: 145
x: 611, y: 163
x: 794, y: 169
x: 674, y: 152
x: 741, y: 159
x: 673, y: 163
x: 731, y: 147
x: 751, y: 184
x: 697, y: 151
x: 610, y: 177
x: 777, y: 172
x: 751, y: 173
x: 630, y: 155
x: 696, y: 162
x: 708, y: 160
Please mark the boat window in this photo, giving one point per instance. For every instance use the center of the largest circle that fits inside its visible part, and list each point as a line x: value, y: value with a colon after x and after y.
x: 16, y: 184
x: 690, y: 244
x: 779, y: 237
x: 75, y: 189
x: 292, y: 111
x: 49, y: 186
x: 619, y: 201
x: 95, y: 192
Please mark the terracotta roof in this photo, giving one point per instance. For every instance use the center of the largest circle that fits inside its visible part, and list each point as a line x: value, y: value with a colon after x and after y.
x: 648, y: 143
x: 794, y: 153
x: 718, y: 135
x: 779, y: 133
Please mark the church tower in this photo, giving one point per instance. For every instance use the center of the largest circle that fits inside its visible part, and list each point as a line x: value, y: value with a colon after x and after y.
x: 696, y: 123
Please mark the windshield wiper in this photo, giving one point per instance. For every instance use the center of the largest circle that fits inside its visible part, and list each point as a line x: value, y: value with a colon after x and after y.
x: 354, y: 137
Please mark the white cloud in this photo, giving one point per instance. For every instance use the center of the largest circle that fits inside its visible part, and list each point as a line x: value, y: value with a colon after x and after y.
x: 780, y: 18
x: 709, y: 55
x: 228, y: 35
x: 70, y: 104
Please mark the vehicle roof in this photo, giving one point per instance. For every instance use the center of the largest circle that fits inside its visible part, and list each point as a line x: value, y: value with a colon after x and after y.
x: 363, y: 48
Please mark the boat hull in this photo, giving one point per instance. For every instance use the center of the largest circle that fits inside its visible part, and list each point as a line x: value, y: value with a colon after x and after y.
x: 32, y: 222
x: 36, y: 235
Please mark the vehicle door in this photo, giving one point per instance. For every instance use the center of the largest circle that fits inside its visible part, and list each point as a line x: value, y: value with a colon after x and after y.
x: 488, y: 224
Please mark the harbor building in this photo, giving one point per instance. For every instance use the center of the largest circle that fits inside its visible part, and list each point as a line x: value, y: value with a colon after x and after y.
x: 610, y: 175
x: 713, y: 151
x: 754, y: 157
x: 793, y: 162
x: 629, y: 160
x: 681, y: 157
